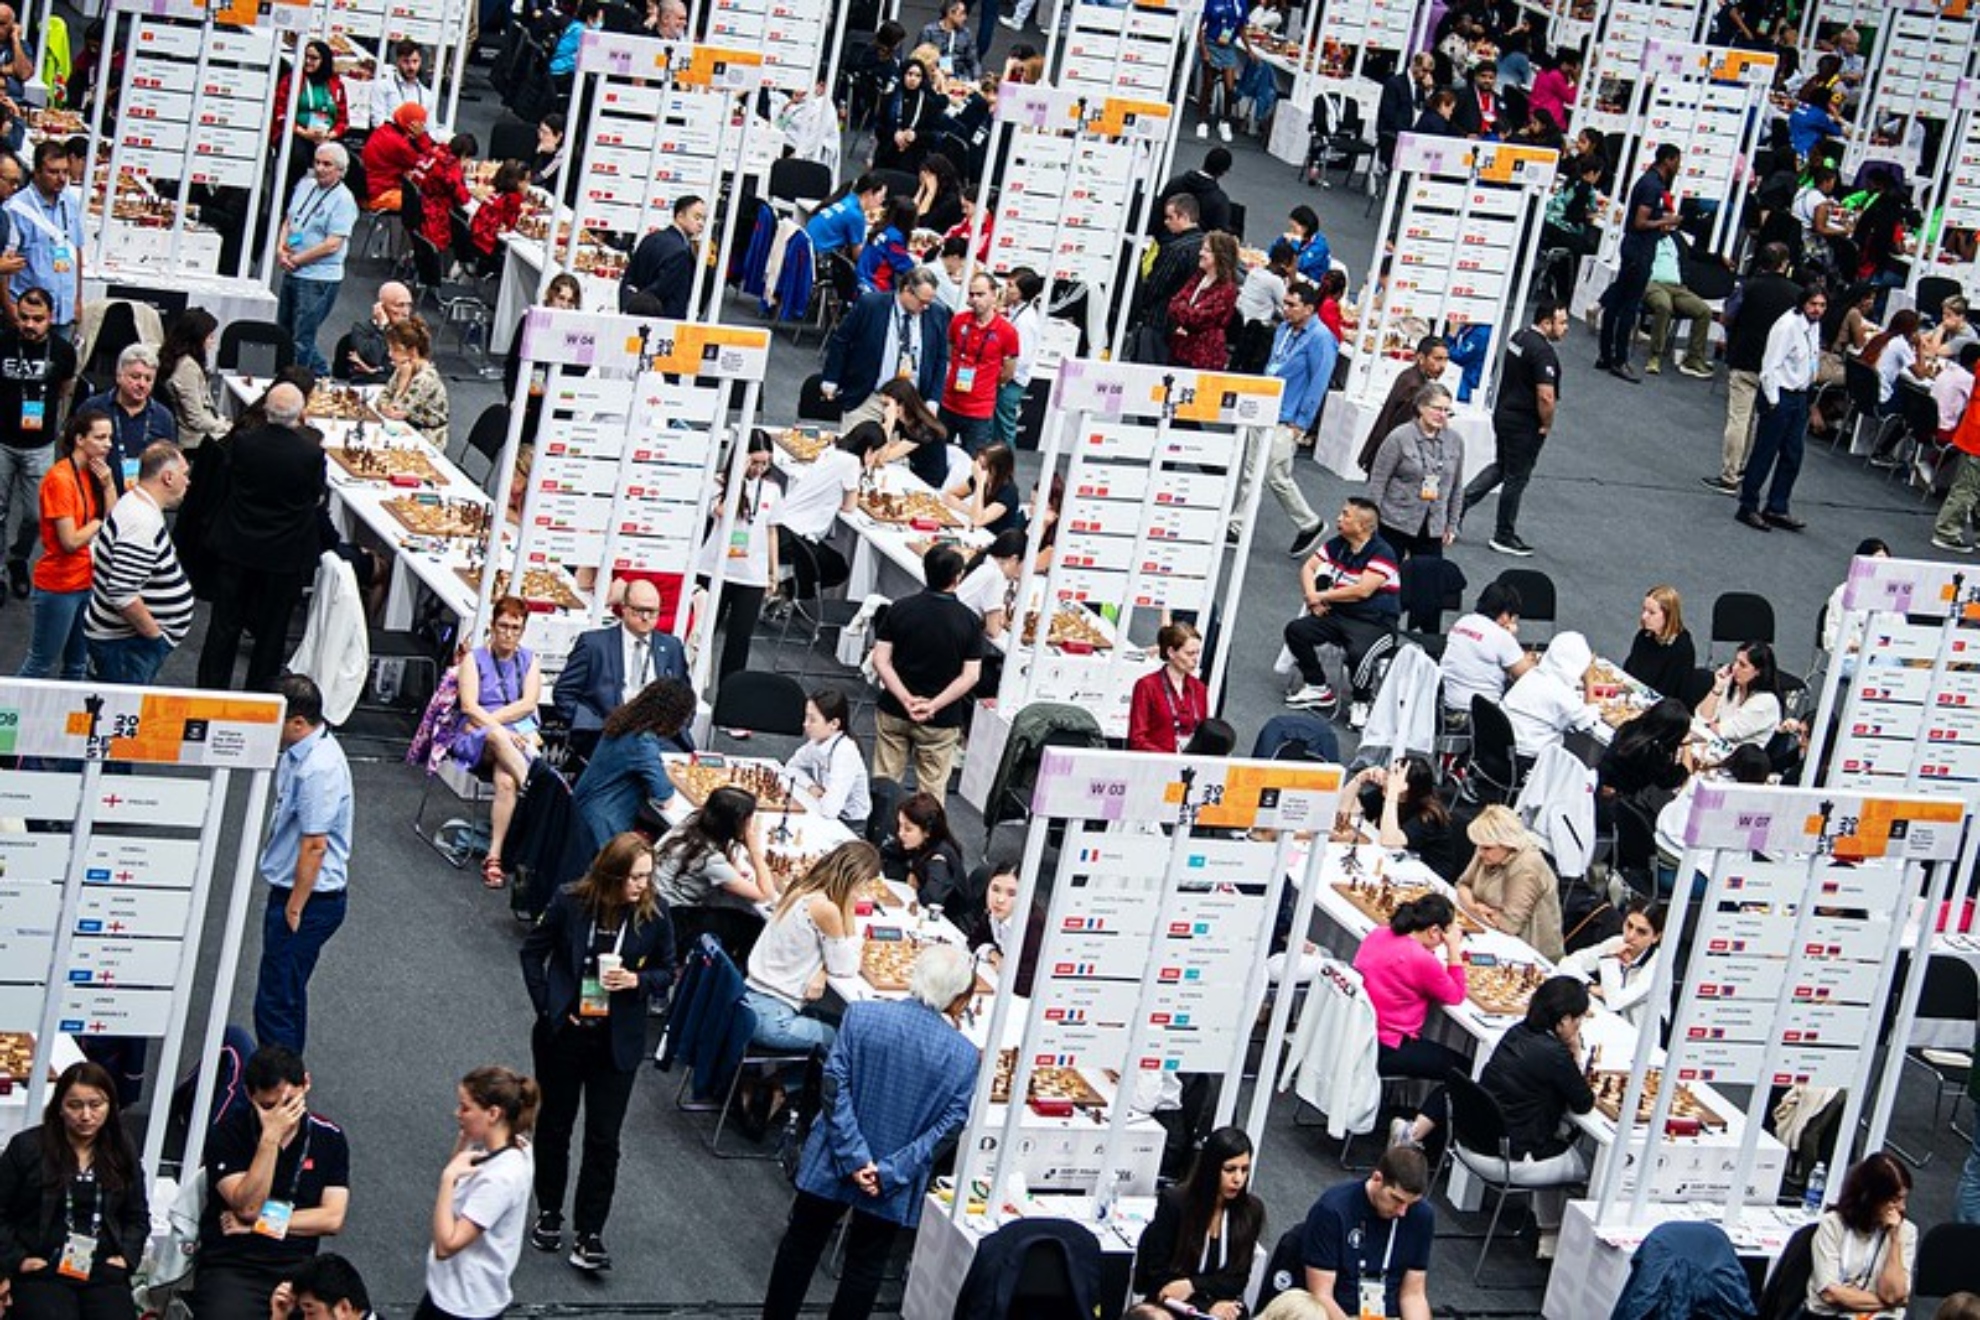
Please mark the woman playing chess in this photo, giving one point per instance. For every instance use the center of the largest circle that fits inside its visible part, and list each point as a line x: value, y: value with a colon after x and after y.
x: 1535, y: 1073
x: 1622, y: 968
x: 415, y: 394
x: 1509, y: 885
x: 714, y: 858
x: 994, y: 934
x: 1197, y: 1249
x: 1407, y: 966
x: 829, y: 771
x: 924, y: 855
x: 500, y: 689
x: 1864, y: 1247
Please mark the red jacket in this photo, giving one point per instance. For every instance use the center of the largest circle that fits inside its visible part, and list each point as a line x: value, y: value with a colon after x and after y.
x: 389, y: 155
x: 1204, y: 317
x: 281, y: 124
x: 442, y: 186
x: 1966, y: 436
x: 1156, y: 721
x: 496, y: 216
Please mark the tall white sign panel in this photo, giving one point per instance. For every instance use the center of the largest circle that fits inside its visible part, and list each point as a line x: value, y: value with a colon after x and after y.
x: 1124, y: 50
x: 794, y: 37
x: 1955, y: 194
x: 1615, y: 60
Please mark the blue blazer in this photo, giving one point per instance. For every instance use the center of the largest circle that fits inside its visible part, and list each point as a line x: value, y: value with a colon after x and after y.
x: 623, y: 774
x: 852, y: 355
x: 595, y: 673
x: 553, y: 957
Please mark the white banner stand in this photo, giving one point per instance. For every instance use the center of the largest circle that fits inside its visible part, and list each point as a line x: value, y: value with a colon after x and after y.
x: 1954, y: 191
x: 1141, y: 526
x: 101, y: 922
x: 635, y: 417
x: 1153, y: 960
x: 376, y: 26
x: 1614, y: 64
x: 1923, y: 56
x: 667, y: 120
x: 800, y: 43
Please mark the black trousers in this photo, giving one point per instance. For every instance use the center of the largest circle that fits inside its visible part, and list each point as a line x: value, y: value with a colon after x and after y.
x: 260, y: 601
x: 575, y: 1064
x: 1363, y: 641
x: 1426, y: 1060
x: 229, y: 1290
x: 46, y: 1295
x: 428, y: 1311
x: 1518, y: 454
x: 1424, y: 611
x: 868, y: 1240
x: 740, y: 608
x: 1622, y: 305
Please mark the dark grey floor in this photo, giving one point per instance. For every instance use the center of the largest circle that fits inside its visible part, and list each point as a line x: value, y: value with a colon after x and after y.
x: 422, y: 983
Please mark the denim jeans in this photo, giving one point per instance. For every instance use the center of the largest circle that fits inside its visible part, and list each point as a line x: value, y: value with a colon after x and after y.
x: 58, y: 636
x: 288, y: 958
x: 130, y: 661
x: 971, y: 433
x: 21, y: 471
x: 301, y: 309
x: 781, y: 1027
x: 1010, y: 400
x: 1777, y: 444
x: 1966, y: 1192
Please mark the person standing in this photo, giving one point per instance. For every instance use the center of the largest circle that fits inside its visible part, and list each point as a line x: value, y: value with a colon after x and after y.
x: 1399, y: 409
x: 903, y: 334
x: 1949, y: 529
x: 601, y: 950
x: 316, y: 230
x: 35, y: 370
x: 73, y: 1218
x: 608, y: 667
x: 1529, y: 388
x: 1303, y: 356
x: 897, y: 1082
x: 926, y: 654
x: 136, y: 416
x: 47, y: 223
x: 483, y: 1201
x: 663, y: 264
x: 1219, y: 39
x: 76, y: 495
x: 1648, y: 217
x: 983, y: 355
x: 1787, y: 374
x: 1767, y: 295
x: 1366, y: 1247
x: 1417, y: 480
x: 265, y: 543
x: 140, y: 604
x: 306, y: 862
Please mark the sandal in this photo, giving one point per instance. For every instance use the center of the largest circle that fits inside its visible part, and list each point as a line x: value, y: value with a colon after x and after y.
x: 491, y: 872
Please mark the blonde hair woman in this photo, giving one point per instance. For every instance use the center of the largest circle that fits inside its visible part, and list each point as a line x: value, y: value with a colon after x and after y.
x: 1509, y: 885
x: 1662, y: 656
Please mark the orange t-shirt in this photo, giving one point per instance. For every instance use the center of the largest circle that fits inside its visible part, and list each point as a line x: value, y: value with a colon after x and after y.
x: 65, y: 493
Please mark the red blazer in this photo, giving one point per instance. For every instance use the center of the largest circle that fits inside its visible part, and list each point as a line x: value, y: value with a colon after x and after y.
x: 442, y: 186
x: 1205, y: 319
x: 492, y: 218
x: 1159, y: 723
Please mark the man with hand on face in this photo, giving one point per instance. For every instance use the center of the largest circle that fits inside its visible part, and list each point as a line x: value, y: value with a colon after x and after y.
x: 324, y: 1287
x: 278, y: 1181
x: 366, y: 360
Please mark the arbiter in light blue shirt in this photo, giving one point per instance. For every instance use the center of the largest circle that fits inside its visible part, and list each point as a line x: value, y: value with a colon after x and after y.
x: 306, y: 862
x: 1303, y: 356
x: 46, y: 218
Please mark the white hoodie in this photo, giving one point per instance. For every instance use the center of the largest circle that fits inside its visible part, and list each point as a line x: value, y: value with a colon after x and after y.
x: 1547, y: 700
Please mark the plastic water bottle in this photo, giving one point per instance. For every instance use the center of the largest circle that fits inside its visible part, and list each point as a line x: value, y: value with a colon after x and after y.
x: 1818, y: 1185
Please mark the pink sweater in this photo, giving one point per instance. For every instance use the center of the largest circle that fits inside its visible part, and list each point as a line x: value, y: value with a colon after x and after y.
x: 1403, y: 979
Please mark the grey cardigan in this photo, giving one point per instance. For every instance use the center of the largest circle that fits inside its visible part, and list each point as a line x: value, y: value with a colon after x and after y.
x: 1396, y: 480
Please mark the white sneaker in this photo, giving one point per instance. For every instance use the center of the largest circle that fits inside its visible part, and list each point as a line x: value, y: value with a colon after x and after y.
x: 1224, y: 130
x: 1550, y: 1242
x: 1312, y: 695
x: 1958, y: 547
x: 1358, y: 715
x: 1011, y: 23
x: 1203, y: 132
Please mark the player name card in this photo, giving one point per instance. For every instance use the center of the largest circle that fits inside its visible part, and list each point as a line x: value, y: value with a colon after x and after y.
x: 637, y: 347
x: 1086, y: 784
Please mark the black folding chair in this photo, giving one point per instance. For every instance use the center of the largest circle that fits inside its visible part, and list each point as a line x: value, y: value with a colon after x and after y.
x: 1740, y: 617
x: 254, y: 348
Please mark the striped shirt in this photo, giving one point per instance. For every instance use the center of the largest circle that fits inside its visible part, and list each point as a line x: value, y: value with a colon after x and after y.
x: 133, y: 559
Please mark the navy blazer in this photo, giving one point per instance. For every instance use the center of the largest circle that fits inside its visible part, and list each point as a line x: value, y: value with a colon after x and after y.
x: 852, y: 355
x: 553, y: 957
x: 663, y: 266
x: 594, y: 674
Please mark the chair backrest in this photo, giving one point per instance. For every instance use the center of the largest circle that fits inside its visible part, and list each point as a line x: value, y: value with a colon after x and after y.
x: 1322, y: 124
x: 116, y: 332
x: 1920, y: 412
x: 813, y: 406
x: 1933, y: 290
x: 1948, y: 1261
x: 1696, y: 685
x: 168, y: 303
x: 1787, y: 1286
x: 761, y: 703
x: 1492, y: 743
x: 1951, y: 989
x: 1045, y: 1288
x: 1476, y: 1121
x: 1538, y: 601
x: 796, y: 180
x: 512, y: 139
x: 489, y: 433
x: 254, y: 348
x: 1861, y: 384
x: 1742, y: 616
x: 886, y: 795
x: 899, y: 183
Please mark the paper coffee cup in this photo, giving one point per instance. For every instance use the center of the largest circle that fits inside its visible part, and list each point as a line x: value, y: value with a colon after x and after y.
x: 609, y: 963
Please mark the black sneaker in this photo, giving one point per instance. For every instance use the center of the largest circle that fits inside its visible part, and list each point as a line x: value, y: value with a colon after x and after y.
x: 588, y: 1253
x: 1511, y: 545
x: 1721, y: 485
x: 17, y: 578
x: 548, y: 1235
x: 1307, y: 540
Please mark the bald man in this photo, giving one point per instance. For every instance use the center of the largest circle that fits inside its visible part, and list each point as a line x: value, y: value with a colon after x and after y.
x: 265, y: 543
x: 364, y: 359
x: 609, y: 666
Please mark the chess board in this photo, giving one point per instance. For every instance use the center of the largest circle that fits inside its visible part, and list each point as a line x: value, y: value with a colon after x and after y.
x: 603, y: 262
x: 58, y: 123
x: 1503, y: 988
x: 340, y: 403
x: 787, y: 865
x: 879, y: 893
x: 1072, y: 625
x: 885, y: 965
x: 1619, y: 697
x: 447, y: 519
x: 540, y: 586
x: 907, y: 507
x: 805, y: 443
x: 698, y: 778
x: 384, y: 462
x: 16, y: 1057
x: 1067, y: 1084
x: 1378, y: 900
x: 1608, y: 1087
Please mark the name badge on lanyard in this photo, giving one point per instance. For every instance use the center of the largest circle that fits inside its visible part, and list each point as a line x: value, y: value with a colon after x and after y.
x: 34, y: 414
x: 65, y: 258
x: 965, y: 380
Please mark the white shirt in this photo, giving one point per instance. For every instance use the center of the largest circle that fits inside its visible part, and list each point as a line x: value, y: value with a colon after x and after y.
x: 637, y: 656
x: 1951, y: 388
x: 747, y: 554
x: 950, y: 292
x: 818, y: 491
x: 1625, y: 990
x: 388, y: 93
x: 1541, y: 708
x: 1897, y: 355
x: 1260, y: 295
x: 1794, y: 351
x: 1025, y: 321
x: 836, y: 766
x: 1477, y: 654
x: 985, y: 589
x: 475, y: 1279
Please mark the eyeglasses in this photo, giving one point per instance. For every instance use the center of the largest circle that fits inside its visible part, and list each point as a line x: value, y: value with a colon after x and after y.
x: 642, y: 611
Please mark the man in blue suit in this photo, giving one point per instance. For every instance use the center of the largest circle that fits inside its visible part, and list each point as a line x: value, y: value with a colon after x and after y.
x: 609, y: 665
x: 903, y: 333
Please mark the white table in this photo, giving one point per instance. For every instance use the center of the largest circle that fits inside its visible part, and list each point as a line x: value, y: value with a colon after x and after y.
x: 1345, y: 422
x: 1591, y: 1262
x: 522, y: 272
x: 230, y: 298
x: 14, y: 1116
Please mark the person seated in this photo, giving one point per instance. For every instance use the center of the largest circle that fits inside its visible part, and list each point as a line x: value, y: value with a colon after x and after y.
x: 819, y: 492
x: 440, y: 179
x: 1864, y: 1247
x: 926, y: 856
x: 1662, y: 656
x: 1435, y: 121
x: 829, y: 771
x: 1370, y: 1239
x: 1197, y: 1250
x: 390, y: 153
x: 1667, y: 297
x: 1402, y: 800
x: 993, y: 934
x: 990, y: 499
x: 497, y: 215
x: 1482, y: 654
x: 501, y: 687
x: 1551, y: 699
x: 1414, y: 962
x: 608, y: 667
x: 885, y: 256
x: 841, y: 220
x: 1622, y: 969
x: 1316, y: 257
x: 1508, y: 885
x: 714, y: 858
x: 1167, y: 704
x: 1535, y: 1073
x: 547, y: 166
x: 415, y: 394
x: 367, y: 359
x: 628, y: 769
x: 989, y: 586
x: 809, y: 938
x: 938, y: 199
x: 1352, y: 591
x: 1744, y: 705
x: 1641, y: 764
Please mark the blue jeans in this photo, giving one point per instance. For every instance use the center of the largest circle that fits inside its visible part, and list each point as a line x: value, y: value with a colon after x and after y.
x: 58, y: 636
x: 972, y: 433
x: 1010, y: 398
x: 281, y: 991
x: 1777, y: 443
x: 300, y: 310
x: 1966, y: 1192
x: 130, y: 661
x: 781, y: 1027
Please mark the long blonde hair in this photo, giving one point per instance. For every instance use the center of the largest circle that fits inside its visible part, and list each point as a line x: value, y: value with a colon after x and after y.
x: 1669, y: 602
x: 836, y: 876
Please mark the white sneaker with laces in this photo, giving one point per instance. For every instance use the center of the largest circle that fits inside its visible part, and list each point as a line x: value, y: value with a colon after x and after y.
x: 1311, y: 695
x: 1224, y: 130
x: 1203, y: 132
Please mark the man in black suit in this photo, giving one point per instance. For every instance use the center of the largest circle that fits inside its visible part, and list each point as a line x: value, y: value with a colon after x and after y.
x: 1480, y: 113
x: 903, y: 333
x: 1405, y: 96
x: 265, y: 543
x: 1206, y: 185
x: 663, y: 263
x: 608, y: 666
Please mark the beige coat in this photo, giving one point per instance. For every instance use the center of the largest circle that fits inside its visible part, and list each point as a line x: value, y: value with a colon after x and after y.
x: 1526, y: 894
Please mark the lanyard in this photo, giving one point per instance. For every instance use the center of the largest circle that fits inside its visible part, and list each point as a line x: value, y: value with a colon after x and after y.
x: 95, y: 1205
x: 91, y: 500
x: 1387, y: 1251
x: 821, y: 773
x: 983, y: 340
x: 302, y: 1162
x: 316, y: 200
x: 1283, y: 350
x: 1169, y: 695
x: 1869, y: 1265
x: 618, y: 936
x: 502, y: 680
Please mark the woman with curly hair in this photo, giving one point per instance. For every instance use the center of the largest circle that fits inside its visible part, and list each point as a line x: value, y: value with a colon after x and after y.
x: 628, y: 767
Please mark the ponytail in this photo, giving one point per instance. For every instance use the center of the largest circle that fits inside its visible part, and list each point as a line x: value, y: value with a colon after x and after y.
x: 517, y: 1096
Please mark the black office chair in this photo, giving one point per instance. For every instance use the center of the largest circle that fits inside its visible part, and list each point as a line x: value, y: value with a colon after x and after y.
x: 813, y: 406
x: 805, y: 182
x: 254, y: 348
x: 1538, y: 602
x: 1863, y: 388
x: 512, y: 139
x: 1951, y: 992
x: 1933, y: 290
x: 486, y: 438
x: 1480, y: 1141
x: 1636, y: 847
x: 1740, y: 617
x: 760, y: 703
x: 116, y: 332
x: 1948, y: 1261
x: 1923, y: 457
x: 1334, y: 139
x: 1492, y: 773
x: 899, y: 183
